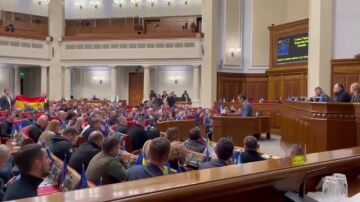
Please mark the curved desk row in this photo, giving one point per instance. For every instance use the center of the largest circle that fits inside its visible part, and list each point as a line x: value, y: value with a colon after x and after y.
x: 260, y: 181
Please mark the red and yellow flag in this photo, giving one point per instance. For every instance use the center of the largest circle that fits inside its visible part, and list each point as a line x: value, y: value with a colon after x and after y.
x: 35, y: 103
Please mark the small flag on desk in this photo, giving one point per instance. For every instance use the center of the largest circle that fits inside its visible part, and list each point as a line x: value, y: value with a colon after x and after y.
x: 49, y: 156
x: 64, y: 170
x: 207, y: 156
x: 167, y: 169
x: 83, y: 180
x: 101, y: 182
x: 238, y: 161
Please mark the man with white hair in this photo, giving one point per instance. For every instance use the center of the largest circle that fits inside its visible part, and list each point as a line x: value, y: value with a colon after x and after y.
x: 38, y: 128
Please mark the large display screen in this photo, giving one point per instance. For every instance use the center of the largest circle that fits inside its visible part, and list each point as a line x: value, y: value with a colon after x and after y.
x: 293, y: 49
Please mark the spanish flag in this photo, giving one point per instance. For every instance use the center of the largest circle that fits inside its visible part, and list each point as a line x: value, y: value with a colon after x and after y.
x: 35, y: 103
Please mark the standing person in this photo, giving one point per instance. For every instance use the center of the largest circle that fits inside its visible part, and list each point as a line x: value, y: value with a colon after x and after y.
x: 152, y: 95
x: 34, y: 165
x: 340, y: 94
x: 137, y: 134
x: 246, y: 109
x: 208, y: 123
x: 8, y: 125
x: 185, y: 97
x: 6, y: 101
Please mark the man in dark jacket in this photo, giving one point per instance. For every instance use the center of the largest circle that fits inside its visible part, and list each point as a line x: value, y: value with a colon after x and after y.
x: 33, y: 165
x: 137, y: 134
x: 340, y: 94
x: 86, y: 151
x: 224, y: 151
x: 7, y: 126
x: 250, y: 154
x: 63, y: 145
x: 6, y: 101
x: 95, y: 125
x: 38, y: 128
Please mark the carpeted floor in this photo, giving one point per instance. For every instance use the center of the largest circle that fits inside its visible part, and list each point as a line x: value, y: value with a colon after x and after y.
x: 271, y: 146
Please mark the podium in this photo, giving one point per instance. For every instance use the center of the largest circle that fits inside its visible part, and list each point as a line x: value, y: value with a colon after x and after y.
x: 320, y: 126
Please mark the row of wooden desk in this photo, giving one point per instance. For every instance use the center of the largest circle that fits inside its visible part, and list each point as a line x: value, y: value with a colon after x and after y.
x: 260, y: 181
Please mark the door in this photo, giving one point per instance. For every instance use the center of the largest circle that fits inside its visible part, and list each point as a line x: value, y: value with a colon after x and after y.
x: 136, y: 88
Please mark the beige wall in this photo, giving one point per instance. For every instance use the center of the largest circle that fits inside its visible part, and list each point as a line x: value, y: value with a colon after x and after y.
x: 297, y: 10
x: 266, y: 13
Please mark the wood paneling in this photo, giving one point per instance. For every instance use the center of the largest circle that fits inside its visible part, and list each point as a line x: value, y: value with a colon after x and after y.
x: 345, y: 71
x: 230, y: 85
x: 136, y: 88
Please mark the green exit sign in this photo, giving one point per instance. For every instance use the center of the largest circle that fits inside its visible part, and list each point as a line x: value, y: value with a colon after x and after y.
x: 22, y: 74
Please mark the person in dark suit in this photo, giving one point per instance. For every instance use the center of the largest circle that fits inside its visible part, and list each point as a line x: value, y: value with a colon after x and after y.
x: 340, y: 94
x: 106, y: 165
x: 33, y: 165
x: 38, y: 128
x: 63, y: 144
x: 355, y: 91
x: 5, y: 158
x: 152, y: 95
x: 250, y: 154
x: 185, y: 97
x: 7, y: 126
x: 159, y: 151
x: 94, y: 125
x: 86, y: 151
x: 224, y: 151
x: 246, y: 109
x: 6, y: 101
x: 171, y: 99
x: 137, y: 134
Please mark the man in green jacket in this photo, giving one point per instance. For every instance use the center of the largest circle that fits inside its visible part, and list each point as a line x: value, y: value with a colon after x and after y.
x: 105, y: 166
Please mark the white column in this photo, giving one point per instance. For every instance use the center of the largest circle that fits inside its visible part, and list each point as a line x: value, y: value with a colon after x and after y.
x: 320, y: 45
x: 147, y: 82
x: 196, y: 86
x: 210, y: 13
x: 113, y: 82
x: 16, y: 81
x: 56, y: 30
x: 67, y: 83
x: 44, y: 80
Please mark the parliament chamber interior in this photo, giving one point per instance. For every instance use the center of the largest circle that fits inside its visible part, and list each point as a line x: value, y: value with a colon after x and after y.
x: 180, y: 100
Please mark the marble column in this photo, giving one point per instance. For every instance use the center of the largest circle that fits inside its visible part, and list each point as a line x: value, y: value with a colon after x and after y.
x: 196, y: 86
x: 17, y: 83
x: 320, y: 45
x: 44, y: 79
x: 147, y: 82
x: 67, y: 83
x: 113, y: 82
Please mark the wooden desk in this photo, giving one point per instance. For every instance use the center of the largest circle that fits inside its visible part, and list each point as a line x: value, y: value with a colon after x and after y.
x: 271, y: 109
x: 320, y: 126
x: 260, y: 181
x: 238, y: 127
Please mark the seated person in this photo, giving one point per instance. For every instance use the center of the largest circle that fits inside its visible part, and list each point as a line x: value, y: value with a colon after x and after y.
x: 194, y: 142
x: 355, y: 91
x: 246, y: 109
x: 106, y: 165
x: 340, y: 94
x: 159, y: 150
x: 4, y: 159
x: 224, y: 151
x: 137, y: 134
x: 86, y: 151
x: 322, y: 95
x: 113, y: 119
x: 38, y: 128
x: 52, y: 130
x: 152, y: 132
x: 123, y: 125
x: 94, y: 125
x: 34, y: 165
x: 6, y: 129
x: 250, y: 154
x: 177, y: 156
x: 63, y: 144
x: 172, y: 134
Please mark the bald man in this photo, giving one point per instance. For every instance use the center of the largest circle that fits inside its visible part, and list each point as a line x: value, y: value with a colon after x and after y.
x: 86, y: 151
x: 38, y: 128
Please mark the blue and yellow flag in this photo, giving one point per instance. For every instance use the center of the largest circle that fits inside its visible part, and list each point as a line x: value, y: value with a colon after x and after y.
x: 83, y: 180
